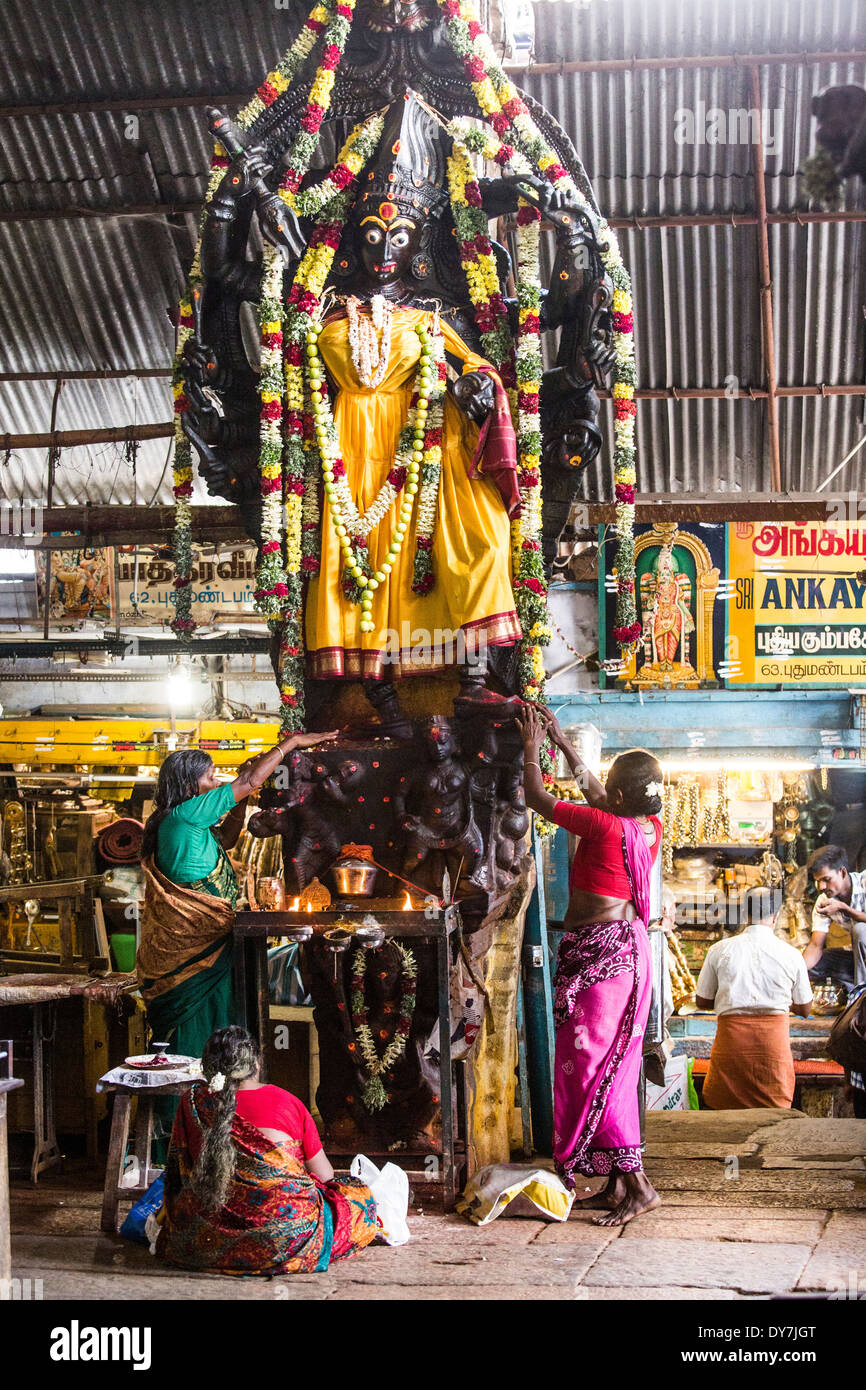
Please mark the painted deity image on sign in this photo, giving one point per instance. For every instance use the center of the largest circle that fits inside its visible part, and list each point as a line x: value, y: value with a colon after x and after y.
x: 80, y: 584
x: 676, y: 584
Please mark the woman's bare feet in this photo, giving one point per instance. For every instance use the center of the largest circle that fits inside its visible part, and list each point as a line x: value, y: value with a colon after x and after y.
x: 639, y: 1196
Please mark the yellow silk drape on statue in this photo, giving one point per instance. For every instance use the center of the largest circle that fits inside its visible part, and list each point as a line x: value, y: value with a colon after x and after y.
x: 471, y: 543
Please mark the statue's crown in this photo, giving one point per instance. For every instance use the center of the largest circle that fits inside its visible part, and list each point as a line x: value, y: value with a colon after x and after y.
x: 410, y: 167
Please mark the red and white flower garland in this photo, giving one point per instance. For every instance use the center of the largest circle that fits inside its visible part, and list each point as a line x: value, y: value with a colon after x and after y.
x: 501, y: 104
x: 275, y: 83
x: 301, y: 466
x: 520, y: 372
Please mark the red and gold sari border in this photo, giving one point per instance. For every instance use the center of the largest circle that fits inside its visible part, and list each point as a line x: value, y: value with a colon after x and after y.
x: 414, y: 653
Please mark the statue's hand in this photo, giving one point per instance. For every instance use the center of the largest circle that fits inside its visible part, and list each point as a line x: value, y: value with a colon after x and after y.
x: 559, y: 205
x: 245, y: 174
x: 199, y: 376
x: 475, y: 394
x: 573, y: 448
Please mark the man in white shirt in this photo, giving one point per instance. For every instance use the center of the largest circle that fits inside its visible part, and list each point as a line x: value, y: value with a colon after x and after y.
x: 752, y: 980
x: 839, y: 917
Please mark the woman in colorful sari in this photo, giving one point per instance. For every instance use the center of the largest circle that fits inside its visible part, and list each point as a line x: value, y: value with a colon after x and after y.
x: 184, y: 959
x: 603, y: 980
x: 248, y: 1188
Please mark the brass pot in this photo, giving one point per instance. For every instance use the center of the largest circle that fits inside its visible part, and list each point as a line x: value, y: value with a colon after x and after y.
x: 355, y: 877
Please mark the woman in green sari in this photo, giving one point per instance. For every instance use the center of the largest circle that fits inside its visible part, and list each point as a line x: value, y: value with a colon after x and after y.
x: 184, y: 959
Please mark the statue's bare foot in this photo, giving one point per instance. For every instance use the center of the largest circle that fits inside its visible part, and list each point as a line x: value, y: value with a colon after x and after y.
x: 609, y: 1197
x: 399, y: 729
x: 640, y: 1196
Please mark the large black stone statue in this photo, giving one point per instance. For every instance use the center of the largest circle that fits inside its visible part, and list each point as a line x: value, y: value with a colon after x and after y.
x: 431, y: 782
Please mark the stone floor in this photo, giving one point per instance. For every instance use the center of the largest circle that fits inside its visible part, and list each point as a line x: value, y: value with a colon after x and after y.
x: 755, y: 1204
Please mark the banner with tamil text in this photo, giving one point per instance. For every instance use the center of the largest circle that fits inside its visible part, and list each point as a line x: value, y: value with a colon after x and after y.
x: 796, y: 598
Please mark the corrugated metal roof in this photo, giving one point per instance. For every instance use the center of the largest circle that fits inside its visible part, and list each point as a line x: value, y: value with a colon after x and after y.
x: 697, y: 310
x: 81, y: 293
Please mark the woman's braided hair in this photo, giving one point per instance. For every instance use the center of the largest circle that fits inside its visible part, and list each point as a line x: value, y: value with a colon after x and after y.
x: 233, y: 1054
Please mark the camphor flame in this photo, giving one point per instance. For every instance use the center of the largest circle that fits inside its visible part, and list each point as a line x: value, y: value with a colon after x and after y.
x: 407, y: 903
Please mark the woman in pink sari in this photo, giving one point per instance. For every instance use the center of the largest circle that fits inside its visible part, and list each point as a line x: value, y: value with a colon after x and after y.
x: 603, y: 979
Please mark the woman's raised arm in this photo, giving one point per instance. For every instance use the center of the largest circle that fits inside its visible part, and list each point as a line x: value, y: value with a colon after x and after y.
x: 256, y: 771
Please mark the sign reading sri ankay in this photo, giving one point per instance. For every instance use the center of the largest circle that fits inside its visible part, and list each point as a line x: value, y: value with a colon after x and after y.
x: 796, y: 607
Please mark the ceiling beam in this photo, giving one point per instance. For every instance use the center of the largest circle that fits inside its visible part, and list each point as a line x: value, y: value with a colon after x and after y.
x: 71, y: 439
x: 714, y: 60
x: 184, y: 101
x: 114, y: 525
x: 635, y: 221
x: 89, y: 374
x: 727, y: 506
x: 132, y: 105
x: 229, y: 645
x: 126, y: 525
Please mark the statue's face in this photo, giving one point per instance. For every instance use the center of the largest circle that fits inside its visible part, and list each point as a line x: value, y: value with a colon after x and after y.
x: 439, y: 741
x: 388, y: 244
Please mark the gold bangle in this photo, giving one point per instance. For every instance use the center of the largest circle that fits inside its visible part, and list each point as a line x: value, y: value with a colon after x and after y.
x: 531, y: 763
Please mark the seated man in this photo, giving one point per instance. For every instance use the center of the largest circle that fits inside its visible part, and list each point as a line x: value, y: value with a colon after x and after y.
x: 248, y: 1188
x: 838, y: 945
x: 752, y: 980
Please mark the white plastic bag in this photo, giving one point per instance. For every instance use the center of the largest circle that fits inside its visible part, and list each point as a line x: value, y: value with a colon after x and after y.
x: 467, y: 1001
x: 675, y: 1094
x: 390, y: 1189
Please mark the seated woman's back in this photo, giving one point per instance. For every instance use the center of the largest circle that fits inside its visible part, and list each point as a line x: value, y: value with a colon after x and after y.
x: 279, y: 1115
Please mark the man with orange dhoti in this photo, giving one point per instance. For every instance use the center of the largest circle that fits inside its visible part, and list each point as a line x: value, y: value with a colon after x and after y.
x: 753, y: 980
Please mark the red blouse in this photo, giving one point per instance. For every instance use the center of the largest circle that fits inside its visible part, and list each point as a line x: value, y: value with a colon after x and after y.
x: 599, y: 860
x: 270, y: 1107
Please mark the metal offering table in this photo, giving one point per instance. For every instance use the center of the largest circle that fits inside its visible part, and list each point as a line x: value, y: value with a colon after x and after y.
x: 252, y: 931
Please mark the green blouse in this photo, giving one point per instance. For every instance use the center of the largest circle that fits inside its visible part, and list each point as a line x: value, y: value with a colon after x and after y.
x: 186, y: 849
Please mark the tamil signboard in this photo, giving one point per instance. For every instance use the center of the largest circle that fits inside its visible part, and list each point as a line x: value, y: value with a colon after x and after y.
x: 796, y: 601
x: 135, y: 585
x: 143, y: 589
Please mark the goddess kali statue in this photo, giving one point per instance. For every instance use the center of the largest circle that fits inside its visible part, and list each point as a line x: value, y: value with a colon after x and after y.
x: 398, y: 348
x: 371, y: 396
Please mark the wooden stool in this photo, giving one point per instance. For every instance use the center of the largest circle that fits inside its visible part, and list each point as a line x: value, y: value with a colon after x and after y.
x: 123, y: 1098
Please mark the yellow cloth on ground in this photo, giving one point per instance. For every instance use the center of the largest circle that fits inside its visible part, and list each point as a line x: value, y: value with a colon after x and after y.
x: 524, y: 1190
x: 471, y: 543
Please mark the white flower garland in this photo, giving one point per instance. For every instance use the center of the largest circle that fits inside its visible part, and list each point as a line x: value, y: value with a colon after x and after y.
x: 363, y: 341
